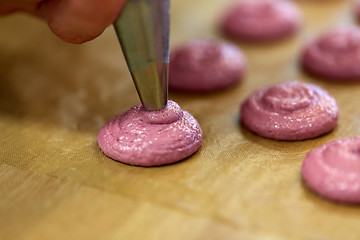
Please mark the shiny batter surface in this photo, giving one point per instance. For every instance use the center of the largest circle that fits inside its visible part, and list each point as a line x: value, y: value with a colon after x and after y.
x: 205, y: 65
x: 290, y: 111
x: 261, y: 20
x: 151, y: 138
x: 333, y: 170
x: 334, y: 55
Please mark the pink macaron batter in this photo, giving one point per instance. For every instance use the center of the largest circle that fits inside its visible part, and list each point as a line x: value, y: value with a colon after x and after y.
x: 261, y: 20
x: 333, y: 170
x: 334, y: 55
x: 290, y: 111
x: 205, y: 65
x: 151, y: 138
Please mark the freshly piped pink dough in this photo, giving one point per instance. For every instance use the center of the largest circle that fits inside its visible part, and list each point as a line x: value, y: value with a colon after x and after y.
x: 261, y: 20
x: 335, y: 55
x: 290, y: 111
x: 205, y: 66
x: 333, y: 170
x: 151, y: 138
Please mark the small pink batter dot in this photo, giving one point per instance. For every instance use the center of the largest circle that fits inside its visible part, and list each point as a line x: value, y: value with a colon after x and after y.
x: 334, y: 55
x: 205, y: 66
x: 333, y: 170
x: 151, y: 138
x: 290, y: 111
x: 261, y: 20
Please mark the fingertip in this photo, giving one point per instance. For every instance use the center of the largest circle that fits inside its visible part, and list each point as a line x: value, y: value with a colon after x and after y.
x: 79, y: 21
x: 74, y: 35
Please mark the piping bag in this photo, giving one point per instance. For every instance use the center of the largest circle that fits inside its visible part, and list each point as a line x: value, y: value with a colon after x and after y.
x: 143, y: 29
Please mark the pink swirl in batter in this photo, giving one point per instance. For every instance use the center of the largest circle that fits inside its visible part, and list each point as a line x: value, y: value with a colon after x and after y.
x: 290, y: 111
x: 333, y: 170
x: 151, y: 138
x: 335, y: 55
x: 205, y: 65
x: 261, y: 20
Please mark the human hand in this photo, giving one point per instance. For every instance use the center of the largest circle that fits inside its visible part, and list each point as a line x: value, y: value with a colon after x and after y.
x: 74, y: 21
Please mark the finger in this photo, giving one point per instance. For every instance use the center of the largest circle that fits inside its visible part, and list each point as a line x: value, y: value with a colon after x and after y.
x: 78, y: 21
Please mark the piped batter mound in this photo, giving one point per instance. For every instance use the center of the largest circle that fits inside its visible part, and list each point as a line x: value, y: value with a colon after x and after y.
x: 290, y: 111
x: 261, y: 20
x: 151, y: 138
x: 333, y: 170
x: 335, y: 55
x: 205, y: 65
